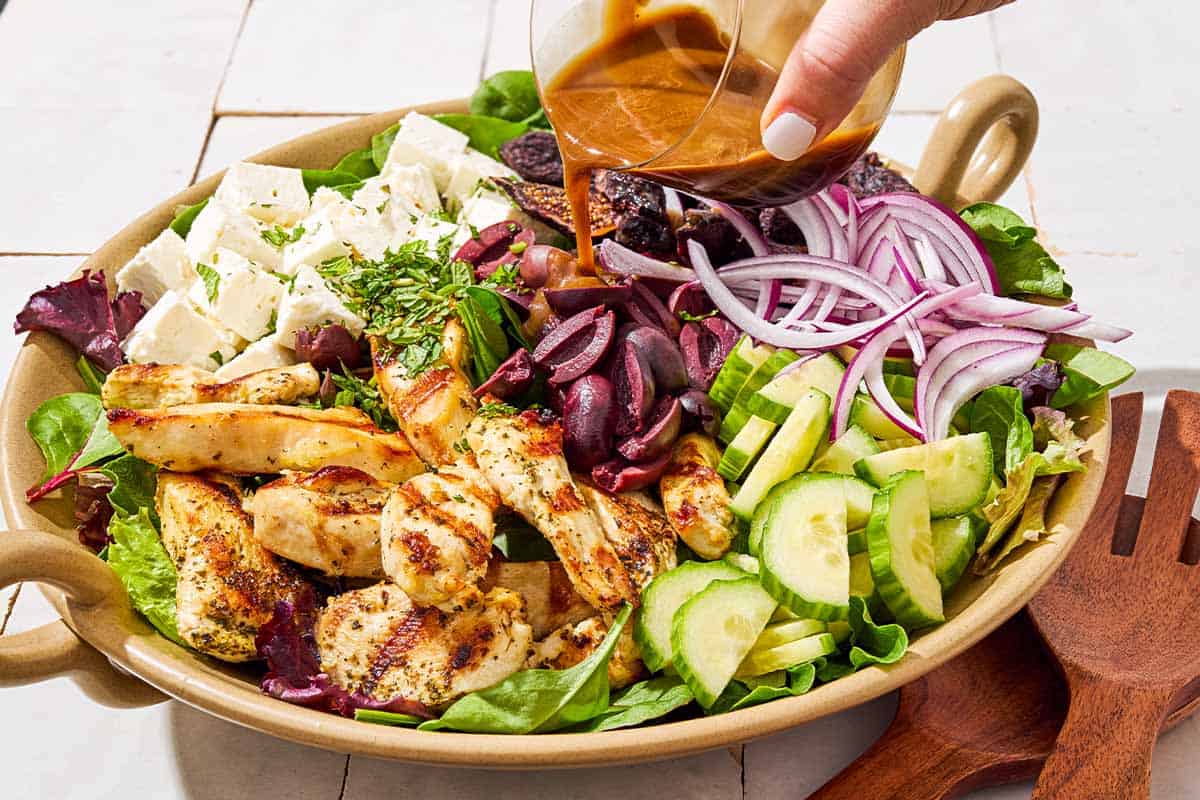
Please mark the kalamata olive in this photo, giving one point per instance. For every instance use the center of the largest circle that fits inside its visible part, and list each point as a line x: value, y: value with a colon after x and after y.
x: 591, y: 355
x: 633, y: 382
x: 520, y: 301
x: 661, y: 353
x: 328, y: 347
x: 661, y: 431
x: 618, y: 475
x: 535, y: 264
x: 589, y: 420
x: 691, y: 298
x: 573, y: 299
x: 327, y: 392
x: 644, y: 308
x: 558, y: 339
x: 502, y: 243
x: 706, y: 345
x: 700, y: 412
x: 577, y: 345
x: 511, y: 378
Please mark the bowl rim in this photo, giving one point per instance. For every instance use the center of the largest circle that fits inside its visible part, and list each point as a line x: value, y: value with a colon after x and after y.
x: 129, y: 642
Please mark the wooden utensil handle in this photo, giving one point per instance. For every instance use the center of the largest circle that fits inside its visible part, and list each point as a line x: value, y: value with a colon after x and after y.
x: 1104, y: 747
x: 908, y: 763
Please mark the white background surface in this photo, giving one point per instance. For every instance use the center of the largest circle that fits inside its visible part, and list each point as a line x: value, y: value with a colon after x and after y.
x: 1112, y: 185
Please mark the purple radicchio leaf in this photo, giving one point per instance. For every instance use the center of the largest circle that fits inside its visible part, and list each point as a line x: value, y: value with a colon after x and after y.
x: 1039, y: 384
x: 79, y: 312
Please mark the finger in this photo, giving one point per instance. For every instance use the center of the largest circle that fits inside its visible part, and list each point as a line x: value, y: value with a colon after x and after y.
x: 831, y: 65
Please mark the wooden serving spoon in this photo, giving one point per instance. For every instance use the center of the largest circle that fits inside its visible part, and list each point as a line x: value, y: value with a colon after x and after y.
x: 991, y: 715
x: 1126, y: 628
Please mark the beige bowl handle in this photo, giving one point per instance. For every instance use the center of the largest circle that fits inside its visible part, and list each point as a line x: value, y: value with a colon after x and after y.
x: 54, y: 649
x: 980, y: 142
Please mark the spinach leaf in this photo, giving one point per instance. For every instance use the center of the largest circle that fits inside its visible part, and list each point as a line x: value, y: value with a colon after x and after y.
x: 510, y: 95
x: 641, y: 703
x: 140, y: 561
x: 743, y: 694
x: 184, y: 217
x: 1000, y: 413
x: 100, y: 445
x: 1022, y: 265
x: 489, y: 345
x: 381, y: 143
x: 61, y: 427
x: 538, y: 700
x: 386, y: 718
x: 360, y: 163
x: 1087, y: 373
x: 501, y: 311
x: 93, y: 376
x: 316, y: 178
x: 520, y: 541
x: 486, y: 134
x: 134, y: 484
x: 347, y: 190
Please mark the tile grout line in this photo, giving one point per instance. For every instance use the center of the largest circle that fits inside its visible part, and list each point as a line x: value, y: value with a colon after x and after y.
x: 345, y: 778
x: 994, y: 35
x: 212, y: 120
x: 487, y: 39
x: 43, y: 254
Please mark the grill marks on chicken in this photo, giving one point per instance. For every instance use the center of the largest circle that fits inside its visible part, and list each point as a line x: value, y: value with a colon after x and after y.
x: 262, y: 439
x: 550, y: 600
x: 637, y: 531
x: 327, y: 520
x: 228, y: 584
x: 377, y: 641
x: 695, y: 498
x: 161, y: 385
x: 521, y: 457
x: 572, y: 643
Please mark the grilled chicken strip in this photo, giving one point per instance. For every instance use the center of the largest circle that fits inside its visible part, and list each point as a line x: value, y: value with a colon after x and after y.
x: 550, y: 600
x: 433, y: 408
x: 228, y: 584
x: 695, y: 498
x: 378, y: 642
x: 637, y: 531
x: 158, y: 385
x: 437, y: 532
x: 522, y: 459
x: 570, y: 644
x: 327, y: 520
x: 250, y: 439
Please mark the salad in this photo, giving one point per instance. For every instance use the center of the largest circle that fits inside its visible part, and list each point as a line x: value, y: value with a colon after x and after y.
x: 374, y: 430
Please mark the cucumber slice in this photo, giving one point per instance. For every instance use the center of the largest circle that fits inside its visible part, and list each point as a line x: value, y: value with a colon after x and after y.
x: 870, y: 417
x: 775, y: 680
x: 713, y: 631
x: 805, y: 565
x: 778, y: 397
x: 856, y: 541
x: 744, y: 448
x: 783, y: 615
x: 778, y: 633
x: 956, y: 470
x: 739, y: 414
x: 901, y: 552
x: 953, y: 546
x: 747, y: 564
x: 801, y: 651
x: 788, y: 453
x: 899, y: 366
x: 885, y: 445
x: 663, y: 597
x: 857, y: 493
x: 862, y: 583
x: 851, y: 446
x: 739, y: 365
x: 860, y: 496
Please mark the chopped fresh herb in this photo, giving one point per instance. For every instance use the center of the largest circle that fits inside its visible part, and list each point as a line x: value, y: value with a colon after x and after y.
x: 216, y: 356
x: 212, y: 281
x: 687, y: 316
x: 516, y: 248
x: 497, y: 409
x: 461, y: 446
x: 458, y: 498
x: 505, y: 275
x: 288, y: 281
x: 364, y: 395
x: 273, y: 322
x: 279, y: 236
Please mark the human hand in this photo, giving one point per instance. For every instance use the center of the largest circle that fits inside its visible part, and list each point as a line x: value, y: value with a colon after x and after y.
x: 836, y: 57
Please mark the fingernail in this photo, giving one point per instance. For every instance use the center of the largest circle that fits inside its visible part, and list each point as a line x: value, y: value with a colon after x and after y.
x: 788, y: 136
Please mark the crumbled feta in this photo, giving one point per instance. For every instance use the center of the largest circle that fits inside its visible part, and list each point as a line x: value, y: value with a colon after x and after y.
x: 275, y: 195
x: 432, y: 230
x: 424, y: 140
x: 323, y: 198
x: 220, y: 226
x: 264, y: 354
x: 158, y: 267
x: 174, y: 332
x: 243, y: 297
x: 487, y: 207
x: 373, y: 195
x: 309, y: 303
x: 412, y: 189
x: 338, y: 229
x: 469, y: 170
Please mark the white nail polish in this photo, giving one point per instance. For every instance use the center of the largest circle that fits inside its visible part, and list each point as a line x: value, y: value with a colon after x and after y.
x: 789, y: 136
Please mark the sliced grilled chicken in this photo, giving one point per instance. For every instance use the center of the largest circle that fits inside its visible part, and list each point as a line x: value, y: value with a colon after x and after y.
x: 250, y: 439
x: 571, y: 644
x: 433, y: 408
x: 695, y: 498
x: 157, y: 385
x: 378, y: 642
x: 637, y: 530
x: 522, y: 459
x: 550, y: 600
x: 228, y: 584
x: 327, y: 520
x: 437, y: 532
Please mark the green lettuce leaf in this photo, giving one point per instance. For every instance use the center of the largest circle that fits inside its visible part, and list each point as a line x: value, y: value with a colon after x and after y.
x: 360, y: 163
x: 1000, y: 413
x: 1087, y: 373
x: 134, y: 483
x: 93, y: 377
x: 869, y: 644
x: 511, y: 96
x: 1022, y: 265
x: 642, y: 702
x: 1055, y: 438
x: 184, y: 217
x: 335, y: 179
x: 137, y: 556
x: 1031, y: 525
x: 486, y: 134
x: 738, y: 694
x: 381, y: 143
x: 386, y: 718
x: 538, y: 700
x: 61, y: 427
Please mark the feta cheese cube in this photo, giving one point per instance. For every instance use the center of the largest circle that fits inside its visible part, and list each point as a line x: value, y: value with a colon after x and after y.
x: 487, y: 207
x: 374, y: 195
x: 323, y: 198
x: 243, y: 297
x: 275, y: 195
x: 266, y: 353
x: 424, y: 140
x: 412, y: 189
x: 309, y: 303
x: 432, y: 230
x: 174, y: 332
x: 340, y: 228
x: 469, y: 170
x: 158, y: 267
x: 220, y: 226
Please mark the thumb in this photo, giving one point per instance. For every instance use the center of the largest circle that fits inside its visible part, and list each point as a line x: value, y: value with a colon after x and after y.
x: 831, y: 65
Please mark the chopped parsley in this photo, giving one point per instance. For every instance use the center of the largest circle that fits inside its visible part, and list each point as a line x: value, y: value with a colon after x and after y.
x: 516, y: 248
x: 689, y: 317
x: 505, y: 275
x: 364, y: 395
x: 288, y: 281
x: 216, y: 356
x: 279, y: 236
x: 496, y: 409
x: 212, y: 281
x: 273, y: 322
x: 461, y: 446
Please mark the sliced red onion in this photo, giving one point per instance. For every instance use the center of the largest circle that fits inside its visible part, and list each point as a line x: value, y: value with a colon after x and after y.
x: 977, y: 376
x: 931, y: 264
x: 1019, y: 313
x: 883, y: 398
x: 689, y: 298
x: 673, y: 204
x: 623, y: 261
x: 769, y: 292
